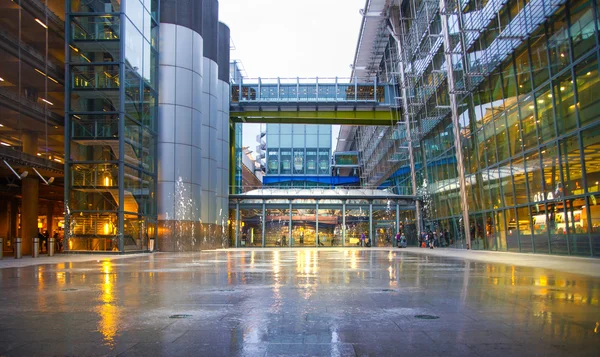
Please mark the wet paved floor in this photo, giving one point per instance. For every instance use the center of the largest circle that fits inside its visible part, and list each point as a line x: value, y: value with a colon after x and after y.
x: 303, y: 303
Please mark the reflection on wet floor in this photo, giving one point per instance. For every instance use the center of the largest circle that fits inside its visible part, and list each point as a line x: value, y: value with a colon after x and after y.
x: 303, y: 302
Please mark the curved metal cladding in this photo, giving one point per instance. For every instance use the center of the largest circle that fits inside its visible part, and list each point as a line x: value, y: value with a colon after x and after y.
x: 223, y: 130
x: 180, y: 124
x: 211, y: 212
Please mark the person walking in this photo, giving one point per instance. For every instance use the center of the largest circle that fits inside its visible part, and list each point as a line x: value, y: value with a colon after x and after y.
x: 403, y: 240
x: 398, y: 239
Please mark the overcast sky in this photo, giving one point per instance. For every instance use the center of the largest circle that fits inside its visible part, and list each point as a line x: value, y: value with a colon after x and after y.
x: 292, y: 38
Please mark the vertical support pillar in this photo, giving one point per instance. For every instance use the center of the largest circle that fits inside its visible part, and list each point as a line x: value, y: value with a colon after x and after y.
x: 290, y: 226
x: 237, y: 224
x: 29, y: 197
x: 121, y: 198
x: 336, y: 89
x: 355, y: 90
x: 409, y: 139
x: 397, y: 218
x: 49, y: 218
x: 317, y: 89
x: 258, y: 95
x: 375, y: 89
x: 343, y: 223
x: 371, y: 224
x: 317, y: 241
x: 297, y: 88
x: 464, y: 203
x: 278, y: 89
x: 264, y: 217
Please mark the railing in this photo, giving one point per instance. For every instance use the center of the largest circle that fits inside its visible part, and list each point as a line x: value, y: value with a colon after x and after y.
x: 105, y: 27
x: 322, y: 190
x: 310, y: 90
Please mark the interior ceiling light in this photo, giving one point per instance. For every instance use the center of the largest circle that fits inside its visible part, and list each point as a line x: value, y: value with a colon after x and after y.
x: 45, y: 75
x: 1, y: 79
x: 1, y: 125
x: 47, y: 101
x: 41, y: 23
x: 3, y: 143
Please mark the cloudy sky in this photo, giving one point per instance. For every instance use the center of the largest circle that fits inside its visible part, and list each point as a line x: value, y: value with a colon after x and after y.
x: 292, y: 38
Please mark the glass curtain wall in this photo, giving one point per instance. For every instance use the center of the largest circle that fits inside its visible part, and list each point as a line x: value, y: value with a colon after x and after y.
x: 277, y: 230
x: 111, y: 124
x: 530, y: 143
x: 318, y: 227
x: 298, y: 150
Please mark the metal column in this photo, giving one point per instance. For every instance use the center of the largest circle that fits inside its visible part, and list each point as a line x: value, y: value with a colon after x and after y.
x: 264, y: 218
x: 370, y: 237
x: 237, y: 224
x: 290, y: 226
x: 397, y: 218
x: 343, y: 223
x: 413, y: 174
x: 121, y: 198
x: 317, y: 224
x: 455, y: 123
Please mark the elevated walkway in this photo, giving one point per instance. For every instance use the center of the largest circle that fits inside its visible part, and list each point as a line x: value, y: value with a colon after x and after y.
x: 312, y: 101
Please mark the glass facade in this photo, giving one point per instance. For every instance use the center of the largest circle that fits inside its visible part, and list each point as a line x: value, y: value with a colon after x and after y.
x: 529, y: 136
x: 313, y: 220
x: 110, y: 177
x: 297, y: 153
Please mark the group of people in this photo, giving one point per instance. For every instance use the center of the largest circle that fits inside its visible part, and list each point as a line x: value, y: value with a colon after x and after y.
x: 43, y: 239
x: 435, y: 239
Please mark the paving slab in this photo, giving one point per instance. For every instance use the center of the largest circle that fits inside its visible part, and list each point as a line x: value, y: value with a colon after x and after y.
x: 301, y: 302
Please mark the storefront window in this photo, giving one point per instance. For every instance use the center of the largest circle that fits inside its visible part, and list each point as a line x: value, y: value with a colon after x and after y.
x: 512, y: 233
x: 277, y: 226
x: 525, y: 229
x: 534, y: 177
x: 571, y: 167
x: 577, y: 226
x: 250, y: 227
x: 564, y: 103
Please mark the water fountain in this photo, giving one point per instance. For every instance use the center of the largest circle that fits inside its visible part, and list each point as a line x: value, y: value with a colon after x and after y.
x: 183, y: 209
x: 427, y: 202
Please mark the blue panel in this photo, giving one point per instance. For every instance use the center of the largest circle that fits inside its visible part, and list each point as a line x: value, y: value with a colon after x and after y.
x: 331, y: 180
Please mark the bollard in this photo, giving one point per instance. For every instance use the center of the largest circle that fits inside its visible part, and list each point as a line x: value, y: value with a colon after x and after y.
x: 18, y: 254
x: 1, y: 247
x: 51, y: 247
x: 36, y: 247
x: 151, y: 245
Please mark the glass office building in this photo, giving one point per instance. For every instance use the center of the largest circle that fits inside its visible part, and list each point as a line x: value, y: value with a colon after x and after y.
x: 298, y: 155
x: 500, y: 119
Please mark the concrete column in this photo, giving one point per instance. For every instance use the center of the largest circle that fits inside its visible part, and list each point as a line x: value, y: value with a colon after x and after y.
x: 29, y: 196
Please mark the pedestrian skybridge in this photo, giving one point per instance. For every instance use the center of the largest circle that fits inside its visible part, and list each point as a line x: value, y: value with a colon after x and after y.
x: 313, y: 101
x: 275, y: 217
